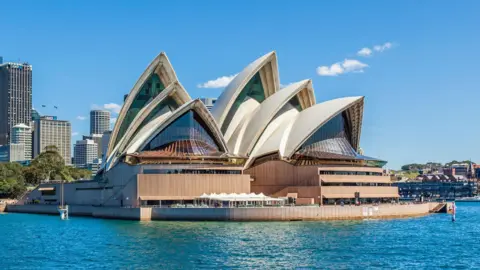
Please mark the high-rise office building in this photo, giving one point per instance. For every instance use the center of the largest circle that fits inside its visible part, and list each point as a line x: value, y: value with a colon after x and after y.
x: 15, y: 97
x: 105, y: 140
x: 95, y: 166
x: 35, y: 115
x: 12, y: 152
x: 99, y: 121
x: 209, y: 102
x: 49, y: 131
x: 97, y: 138
x: 22, y: 134
x: 84, y: 152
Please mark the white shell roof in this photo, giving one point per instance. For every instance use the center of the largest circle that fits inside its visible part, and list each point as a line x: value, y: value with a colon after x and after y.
x: 174, y: 89
x: 150, y: 131
x: 160, y: 60
x: 265, y: 113
x: 257, y: 129
x: 311, y: 119
x: 290, y: 136
x: 233, y: 89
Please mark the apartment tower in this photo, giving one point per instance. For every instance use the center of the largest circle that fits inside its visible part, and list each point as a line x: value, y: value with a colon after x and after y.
x: 15, y: 97
x: 99, y: 121
x: 52, y: 132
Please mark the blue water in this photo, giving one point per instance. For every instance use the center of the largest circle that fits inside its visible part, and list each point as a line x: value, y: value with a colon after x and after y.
x: 431, y: 242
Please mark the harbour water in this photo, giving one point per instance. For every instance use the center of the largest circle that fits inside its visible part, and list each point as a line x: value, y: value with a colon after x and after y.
x: 46, y: 242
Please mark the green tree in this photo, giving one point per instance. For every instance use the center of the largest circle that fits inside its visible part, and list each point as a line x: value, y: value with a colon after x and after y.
x: 12, y: 182
x: 33, y: 175
x: 76, y: 173
x: 48, y: 164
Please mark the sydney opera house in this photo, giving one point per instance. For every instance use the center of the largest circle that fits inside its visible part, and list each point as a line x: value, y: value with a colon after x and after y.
x: 258, y: 138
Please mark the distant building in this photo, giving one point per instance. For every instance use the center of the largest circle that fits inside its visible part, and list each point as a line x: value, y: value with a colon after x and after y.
x: 85, y: 152
x: 461, y: 170
x: 13, y: 152
x: 94, y: 166
x: 15, y: 97
x: 436, y: 190
x: 209, y: 102
x: 104, y: 145
x: 436, y: 178
x: 97, y: 138
x: 476, y: 171
x: 22, y: 134
x: 35, y: 115
x: 49, y: 131
x: 99, y: 121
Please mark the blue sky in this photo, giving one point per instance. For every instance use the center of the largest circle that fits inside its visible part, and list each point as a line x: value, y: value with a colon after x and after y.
x: 421, y: 89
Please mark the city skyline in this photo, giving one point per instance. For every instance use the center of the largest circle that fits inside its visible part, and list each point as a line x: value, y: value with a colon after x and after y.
x: 390, y: 58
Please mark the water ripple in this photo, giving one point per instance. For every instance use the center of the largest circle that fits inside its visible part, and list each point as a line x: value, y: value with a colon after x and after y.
x: 431, y: 242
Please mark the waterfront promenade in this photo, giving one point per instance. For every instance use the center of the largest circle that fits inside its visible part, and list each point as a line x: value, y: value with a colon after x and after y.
x: 330, y: 212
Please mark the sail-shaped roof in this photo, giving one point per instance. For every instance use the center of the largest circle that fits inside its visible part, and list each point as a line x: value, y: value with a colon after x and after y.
x: 298, y: 128
x: 246, y: 91
x: 252, y: 118
x: 150, y: 132
x: 158, y: 75
x: 300, y: 95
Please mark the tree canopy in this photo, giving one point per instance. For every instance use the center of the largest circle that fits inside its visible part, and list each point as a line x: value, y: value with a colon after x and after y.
x: 49, y: 165
x: 12, y: 182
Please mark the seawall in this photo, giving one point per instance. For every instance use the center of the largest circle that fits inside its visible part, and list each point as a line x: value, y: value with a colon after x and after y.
x: 238, y: 214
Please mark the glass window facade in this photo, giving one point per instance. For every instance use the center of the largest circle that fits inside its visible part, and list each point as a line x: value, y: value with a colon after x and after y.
x: 436, y: 190
x: 188, y: 135
x: 296, y: 103
x: 348, y: 173
x: 332, y: 140
x: 149, y: 90
x: 253, y: 89
x: 356, y: 184
x: 168, y: 102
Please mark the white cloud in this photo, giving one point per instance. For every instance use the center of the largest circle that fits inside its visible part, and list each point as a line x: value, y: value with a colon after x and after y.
x: 333, y: 70
x: 352, y: 65
x: 74, y: 133
x: 348, y: 65
x: 112, y: 107
x: 81, y: 118
x: 285, y: 85
x: 112, y: 122
x: 365, y: 52
x: 219, y: 82
x: 381, y: 48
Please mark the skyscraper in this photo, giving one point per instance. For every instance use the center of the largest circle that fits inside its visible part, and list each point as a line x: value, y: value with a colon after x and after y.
x: 48, y: 132
x: 99, y: 121
x: 105, y: 140
x: 15, y: 97
x: 209, y: 102
x: 85, y: 152
x: 12, y: 152
x: 97, y: 138
x: 22, y: 134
